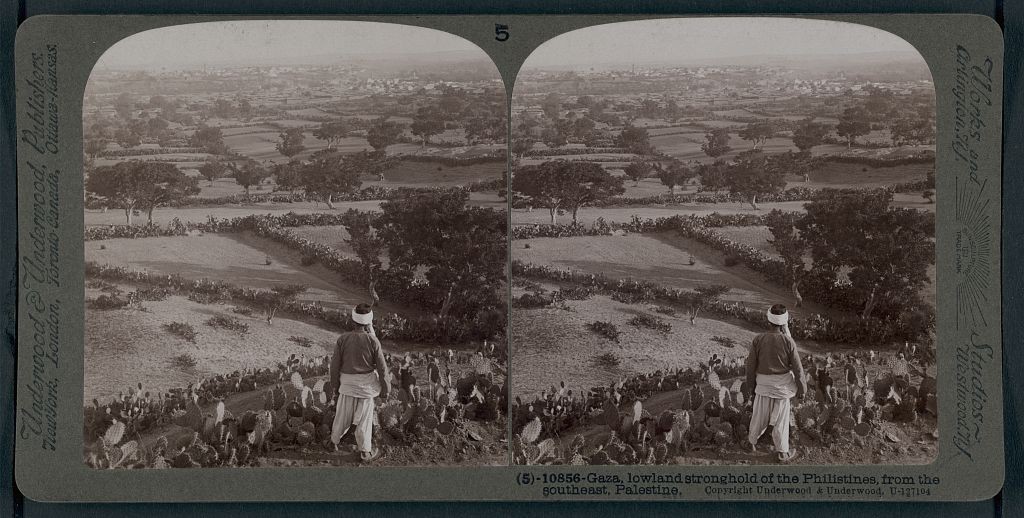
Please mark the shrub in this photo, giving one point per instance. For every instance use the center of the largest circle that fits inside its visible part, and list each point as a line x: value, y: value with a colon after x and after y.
x: 103, y: 286
x: 184, y: 361
x: 731, y: 260
x: 229, y: 323
x: 183, y: 330
x: 651, y: 322
x: 532, y: 301
x: 108, y: 302
x: 628, y: 297
x: 242, y: 310
x: 574, y: 293
x: 152, y: 294
x: 607, y: 360
x: 301, y: 340
x: 605, y: 329
x: 724, y: 341
x: 665, y: 310
x: 204, y: 298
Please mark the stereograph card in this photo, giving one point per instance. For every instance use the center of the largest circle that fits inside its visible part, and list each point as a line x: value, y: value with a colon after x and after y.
x: 509, y: 258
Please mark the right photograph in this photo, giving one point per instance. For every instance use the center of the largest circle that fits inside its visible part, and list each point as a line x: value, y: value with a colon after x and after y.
x: 723, y: 246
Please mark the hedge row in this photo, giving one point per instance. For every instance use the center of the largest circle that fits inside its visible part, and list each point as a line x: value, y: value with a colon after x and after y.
x: 600, y: 227
x: 456, y: 161
x: 178, y: 228
x: 151, y: 151
x: 577, y: 151
x: 924, y: 157
x: 866, y: 332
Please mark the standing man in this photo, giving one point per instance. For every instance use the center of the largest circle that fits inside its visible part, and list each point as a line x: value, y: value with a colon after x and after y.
x: 359, y: 373
x: 775, y: 373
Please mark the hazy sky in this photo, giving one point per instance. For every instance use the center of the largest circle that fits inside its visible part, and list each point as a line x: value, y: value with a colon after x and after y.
x: 694, y: 39
x: 269, y: 41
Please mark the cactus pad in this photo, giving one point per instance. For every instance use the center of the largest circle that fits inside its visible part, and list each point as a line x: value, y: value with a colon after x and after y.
x: 114, y: 433
x: 531, y: 431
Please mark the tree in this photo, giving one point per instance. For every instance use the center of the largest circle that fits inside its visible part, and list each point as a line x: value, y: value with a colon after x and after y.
x: 288, y: 177
x: 712, y: 176
x: 809, y: 134
x: 586, y: 183
x: 716, y: 143
x: 210, y: 139
x: 382, y: 134
x: 212, y: 170
x: 553, y: 137
x: 367, y: 246
x: 552, y: 106
x: 331, y: 132
x: 799, y: 163
x: 561, y: 184
x: 542, y: 185
x: 703, y: 297
x: 910, y: 131
x: 127, y: 138
x: 245, y: 109
x: 638, y: 170
x: 750, y: 175
x: 791, y: 247
x: 583, y: 128
x: 757, y: 132
x: 635, y: 140
x: 427, y: 122
x: 884, y: 251
x: 330, y: 173
x: 156, y: 126
x: 290, y: 143
x: 853, y: 123
x: 249, y: 174
x: 451, y: 102
x: 460, y: 250
x: 879, y: 100
x: 674, y: 175
x: 223, y: 108
x: 483, y: 128
x: 140, y: 185
x: 124, y: 106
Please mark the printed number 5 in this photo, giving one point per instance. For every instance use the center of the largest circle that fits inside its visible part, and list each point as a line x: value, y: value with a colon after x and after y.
x: 500, y: 32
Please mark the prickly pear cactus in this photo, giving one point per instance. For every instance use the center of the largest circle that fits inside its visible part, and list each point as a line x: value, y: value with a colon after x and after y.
x: 531, y: 431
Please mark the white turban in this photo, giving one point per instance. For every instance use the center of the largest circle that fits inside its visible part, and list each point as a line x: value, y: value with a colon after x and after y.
x: 362, y: 318
x: 779, y: 320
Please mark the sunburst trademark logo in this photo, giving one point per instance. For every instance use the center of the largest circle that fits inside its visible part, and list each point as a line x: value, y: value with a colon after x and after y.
x: 973, y: 247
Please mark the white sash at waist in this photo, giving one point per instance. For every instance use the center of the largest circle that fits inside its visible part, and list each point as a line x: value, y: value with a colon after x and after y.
x: 778, y: 386
x: 365, y: 385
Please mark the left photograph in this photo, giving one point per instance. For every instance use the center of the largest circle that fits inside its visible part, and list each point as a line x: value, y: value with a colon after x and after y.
x: 295, y: 248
